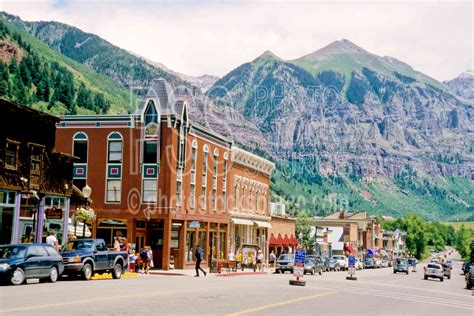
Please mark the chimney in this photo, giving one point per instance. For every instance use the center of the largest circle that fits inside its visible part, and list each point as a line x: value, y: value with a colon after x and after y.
x: 341, y: 214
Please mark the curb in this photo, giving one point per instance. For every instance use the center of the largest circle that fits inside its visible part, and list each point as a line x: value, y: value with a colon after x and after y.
x: 106, y: 276
x: 240, y: 274
x: 167, y: 273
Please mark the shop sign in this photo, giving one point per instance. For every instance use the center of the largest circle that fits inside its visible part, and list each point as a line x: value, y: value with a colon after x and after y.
x: 194, y: 224
x: 54, y: 213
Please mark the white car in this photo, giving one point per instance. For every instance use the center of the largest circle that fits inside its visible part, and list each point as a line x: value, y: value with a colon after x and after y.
x: 435, y: 271
x: 342, y: 261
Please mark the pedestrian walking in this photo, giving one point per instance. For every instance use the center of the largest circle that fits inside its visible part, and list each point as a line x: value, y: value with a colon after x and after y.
x: 145, y: 265
x: 260, y: 260
x: 51, y: 239
x: 199, y: 256
x: 150, y: 258
x: 272, y: 259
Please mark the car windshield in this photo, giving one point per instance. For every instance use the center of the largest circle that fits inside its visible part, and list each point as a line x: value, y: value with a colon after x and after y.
x: 286, y: 257
x: 308, y: 261
x: 12, y: 252
x: 434, y: 266
x: 83, y: 245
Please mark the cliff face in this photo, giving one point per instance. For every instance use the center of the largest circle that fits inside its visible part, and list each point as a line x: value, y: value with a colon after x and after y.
x: 463, y: 85
x: 372, y: 115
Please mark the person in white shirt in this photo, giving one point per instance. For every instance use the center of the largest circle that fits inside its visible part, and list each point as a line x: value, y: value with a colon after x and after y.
x: 51, y: 239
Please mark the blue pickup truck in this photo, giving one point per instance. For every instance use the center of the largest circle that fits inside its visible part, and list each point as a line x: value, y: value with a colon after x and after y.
x: 85, y: 257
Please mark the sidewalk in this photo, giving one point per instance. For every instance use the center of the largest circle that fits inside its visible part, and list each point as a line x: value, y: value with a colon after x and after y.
x: 192, y: 272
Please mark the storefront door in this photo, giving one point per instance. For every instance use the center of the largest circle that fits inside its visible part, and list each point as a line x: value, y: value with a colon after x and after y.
x: 6, y: 223
x: 155, y: 241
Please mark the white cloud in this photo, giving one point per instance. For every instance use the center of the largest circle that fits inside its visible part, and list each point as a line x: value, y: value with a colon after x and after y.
x: 197, y: 38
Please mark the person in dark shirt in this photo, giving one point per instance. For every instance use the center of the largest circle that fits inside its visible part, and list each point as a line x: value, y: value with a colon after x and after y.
x: 199, y: 256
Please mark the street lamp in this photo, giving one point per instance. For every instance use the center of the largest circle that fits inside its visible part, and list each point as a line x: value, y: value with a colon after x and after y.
x: 86, y: 192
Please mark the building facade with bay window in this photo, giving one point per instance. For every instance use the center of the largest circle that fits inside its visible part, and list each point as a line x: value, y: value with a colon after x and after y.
x: 157, y: 178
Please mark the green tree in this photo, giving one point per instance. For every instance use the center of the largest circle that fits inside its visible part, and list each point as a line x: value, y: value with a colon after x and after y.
x: 463, y: 241
x: 84, y: 99
x: 4, y: 75
x: 303, y: 227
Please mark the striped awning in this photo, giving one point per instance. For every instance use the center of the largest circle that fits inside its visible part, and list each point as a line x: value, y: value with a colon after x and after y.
x: 241, y: 221
x: 262, y: 224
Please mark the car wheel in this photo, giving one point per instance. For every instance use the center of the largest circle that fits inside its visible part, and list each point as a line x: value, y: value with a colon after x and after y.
x: 394, y: 272
x: 406, y: 272
x: 442, y: 279
x: 18, y: 277
x: 469, y: 286
x: 426, y: 278
x: 117, y: 271
x: 278, y: 271
x: 87, y: 271
x: 53, y: 275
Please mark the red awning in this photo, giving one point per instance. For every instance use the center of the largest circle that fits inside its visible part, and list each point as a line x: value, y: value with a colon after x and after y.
x: 286, y: 241
x: 273, y: 241
x: 294, y: 241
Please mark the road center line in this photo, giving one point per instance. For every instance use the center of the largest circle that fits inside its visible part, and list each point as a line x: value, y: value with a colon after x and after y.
x: 260, y: 308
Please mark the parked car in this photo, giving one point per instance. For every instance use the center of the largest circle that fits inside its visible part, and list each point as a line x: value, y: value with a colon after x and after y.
x: 470, y: 278
x: 384, y: 263
x: 334, y: 265
x: 285, y: 263
x: 465, y: 267
x: 447, y: 270
x: 369, y: 263
x: 29, y: 261
x: 342, y: 261
x: 313, y: 265
x: 359, y: 265
x: 85, y: 257
x: 401, y: 265
x: 434, y: 270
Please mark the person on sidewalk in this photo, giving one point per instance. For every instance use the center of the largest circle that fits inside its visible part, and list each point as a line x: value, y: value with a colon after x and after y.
x: 272, y: 259
x: 199, y: 256
x: 260, y: 259
x: 145, y: 262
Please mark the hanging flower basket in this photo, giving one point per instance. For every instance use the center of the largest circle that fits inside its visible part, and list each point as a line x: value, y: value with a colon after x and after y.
x: 84, y: 215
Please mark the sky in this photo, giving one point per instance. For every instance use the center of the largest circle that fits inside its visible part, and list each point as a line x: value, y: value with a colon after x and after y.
x: 214, y: 37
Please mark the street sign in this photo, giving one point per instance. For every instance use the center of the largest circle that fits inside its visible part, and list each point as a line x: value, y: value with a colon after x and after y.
x: 351, y: 269
x: 298, y: 266
x: 352, y: 261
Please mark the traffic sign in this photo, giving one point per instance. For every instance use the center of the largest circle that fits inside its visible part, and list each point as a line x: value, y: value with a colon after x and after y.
x: 298, y: 266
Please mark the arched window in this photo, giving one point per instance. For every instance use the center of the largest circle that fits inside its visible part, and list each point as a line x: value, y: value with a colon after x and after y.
x: 151, y: 114
x: 80, y: 147
x: 115, y: 148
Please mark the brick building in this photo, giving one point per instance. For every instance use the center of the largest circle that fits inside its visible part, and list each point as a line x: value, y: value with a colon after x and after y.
x: 159, y: 179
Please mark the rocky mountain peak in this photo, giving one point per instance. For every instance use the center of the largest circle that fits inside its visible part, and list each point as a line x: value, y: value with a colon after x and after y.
x: 267, y: 55
x: 468, y: 74
x: 341, y: 47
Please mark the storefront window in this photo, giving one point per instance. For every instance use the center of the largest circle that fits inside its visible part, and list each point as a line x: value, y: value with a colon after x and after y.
x: 203, y: 242
x: 107, y: 229
x: 54, y: 208
x: 28, y: 219
x: 7, y: 207
x: 190, y: 241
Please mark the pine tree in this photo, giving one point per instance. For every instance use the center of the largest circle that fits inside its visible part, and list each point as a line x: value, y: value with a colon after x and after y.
x: 100, y: 103
x: 25, y: 72
x: 84, y: 99
x: 4, y: 75
x: 43, y: 90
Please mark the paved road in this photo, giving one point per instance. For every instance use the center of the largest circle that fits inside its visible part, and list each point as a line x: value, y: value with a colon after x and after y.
x: 376, y: 292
